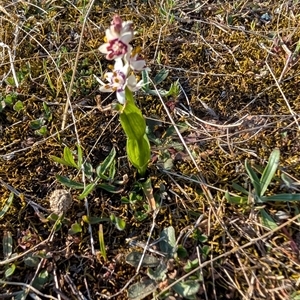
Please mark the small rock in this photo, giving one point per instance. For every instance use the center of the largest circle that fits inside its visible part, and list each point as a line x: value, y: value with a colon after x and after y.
x: 60, y: 201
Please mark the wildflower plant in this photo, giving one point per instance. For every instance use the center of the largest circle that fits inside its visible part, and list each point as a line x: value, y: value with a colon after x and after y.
x: 123, y: 80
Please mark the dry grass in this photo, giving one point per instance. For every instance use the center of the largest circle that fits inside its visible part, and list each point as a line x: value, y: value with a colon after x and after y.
x: 239, y: 76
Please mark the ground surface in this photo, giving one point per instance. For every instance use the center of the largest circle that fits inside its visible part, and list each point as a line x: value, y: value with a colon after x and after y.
x: 237, y: 63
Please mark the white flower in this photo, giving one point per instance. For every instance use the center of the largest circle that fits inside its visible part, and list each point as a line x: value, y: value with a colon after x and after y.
x: 118, y: 37
x: 118, y: 80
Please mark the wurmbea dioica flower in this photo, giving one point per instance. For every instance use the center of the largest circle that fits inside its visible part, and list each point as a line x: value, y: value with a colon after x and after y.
x: 117, y: 47
x: 123, y: 81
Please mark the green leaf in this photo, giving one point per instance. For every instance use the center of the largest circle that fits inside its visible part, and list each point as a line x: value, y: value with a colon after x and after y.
x: 88, y: 189
x: 254, y: 178
x: 47, y: 112
x: 7, y: 205
x: 10, y: 270
x: 70, y: 183
x: 94, y: 220
x: 68, y: 157
x: 7, y: 244
x: 110, y: 188
x: 269, y: 171
x: 118, y: 222
x: 101, y: 242
x: 133, y: 122
x: 140, y: 290
x: 187, y: 289
x: 31, y: 261
x: 42, y: 131
x: 267, y: 220
x: 161, y: 76
x: 75, y: 228
x: 79, y: 156
x: 36, y: 124
x: 41, y: 280
x: 112, y: 170
x: 134, y: 258
x: 105, y: 165
x: 190, y: 265
x: 139, y: 153
x: 18, y: 106
x: 240, y: 188
x: 235, y: 199
x: 145, y: 78
x: 282, y: 197
x: 159, y: 274
x: 168, y: 242
x: 182, y: 252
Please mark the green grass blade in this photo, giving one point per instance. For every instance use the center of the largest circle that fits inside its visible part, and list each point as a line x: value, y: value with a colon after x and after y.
x: 101, y: 242
x: 282, y: 198
x: 240, y: 188
x: 254, y: 178
x: 267, y: 220
x: 269, y: 171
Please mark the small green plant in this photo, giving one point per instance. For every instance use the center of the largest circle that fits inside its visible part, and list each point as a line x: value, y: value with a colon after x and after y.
x: 103, y: 176
x: 158, y: 268
x: 259, y: 188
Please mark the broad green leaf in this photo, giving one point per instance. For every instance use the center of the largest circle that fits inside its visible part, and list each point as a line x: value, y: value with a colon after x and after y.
x: 75, y: 228
x: 140, y: 290
x: 161, y: 76
x: 70, y: 183
x: 69, y: 158
x: 88, y: 189
x: 133, y: 122
x: 134, y: 258
x: 7, y: 244
x: 101, y: 242
x: 41, y: 280
x: 36, y: 124
x: 10, y: 270
x: 269, y: 171
x: 282, y: 197
x: 267, y: 220
x: 118, y: 222
x: 168, y: 242
x: 187, y: 289
x: 159, y: 273
x: 138, y: 152
x: 108, y: 161
x: 7, y: 205
x: 181, y: 252
x: 18, y: 106
x: 31, y: 261
x: 254, y: 178
x: 190, y: 265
